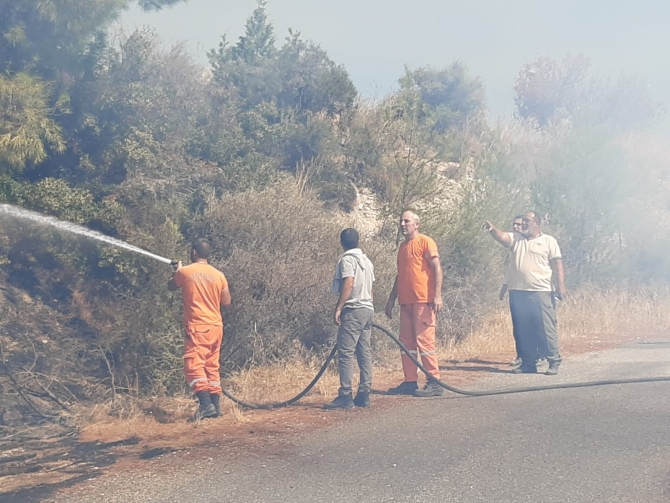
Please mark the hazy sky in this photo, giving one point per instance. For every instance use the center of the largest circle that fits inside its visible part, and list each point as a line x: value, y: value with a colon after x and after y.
x: 374, y: 39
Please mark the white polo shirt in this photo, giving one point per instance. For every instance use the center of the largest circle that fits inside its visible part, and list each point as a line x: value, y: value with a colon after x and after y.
x: 530, y: 262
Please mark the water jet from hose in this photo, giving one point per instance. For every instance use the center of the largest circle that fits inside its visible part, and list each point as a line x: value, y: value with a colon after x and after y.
x: 33, y: 216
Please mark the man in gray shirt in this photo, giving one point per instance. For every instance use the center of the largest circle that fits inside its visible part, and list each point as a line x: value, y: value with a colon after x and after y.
x: 354, y: 314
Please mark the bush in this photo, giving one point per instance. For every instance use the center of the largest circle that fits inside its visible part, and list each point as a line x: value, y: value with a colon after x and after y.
x: 277, y: 249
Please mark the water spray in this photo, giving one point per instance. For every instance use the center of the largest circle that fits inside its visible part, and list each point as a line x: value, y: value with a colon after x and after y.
x: 33, y: 216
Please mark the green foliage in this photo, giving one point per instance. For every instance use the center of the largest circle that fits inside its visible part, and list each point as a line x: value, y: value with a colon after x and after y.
x: 311, y: 81
x: 446, y: 99
x: 258, y: 41
x: 45, y: 37
x: 276, y: 109
x: 27, y: 126
x: 49, y: 37
x: 57, y: 198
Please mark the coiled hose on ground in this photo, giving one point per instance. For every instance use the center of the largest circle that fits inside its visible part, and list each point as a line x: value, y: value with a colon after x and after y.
x: 458, y: 391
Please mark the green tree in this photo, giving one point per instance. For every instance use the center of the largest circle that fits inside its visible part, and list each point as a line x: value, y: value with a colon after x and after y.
x: 248, y: 67
x: 27, y: 126
x: 49, y: 37
x: 285, y: 104
x: 449, y: 98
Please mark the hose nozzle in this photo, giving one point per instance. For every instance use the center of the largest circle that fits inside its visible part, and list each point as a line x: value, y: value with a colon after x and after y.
x: 174, y: 262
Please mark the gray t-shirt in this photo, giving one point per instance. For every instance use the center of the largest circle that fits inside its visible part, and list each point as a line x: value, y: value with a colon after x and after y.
x: 355, y: 264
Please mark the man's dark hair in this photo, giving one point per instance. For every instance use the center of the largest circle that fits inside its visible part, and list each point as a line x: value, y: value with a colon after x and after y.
x: 349, y: 238
x: 518, y: 217
x: 202, y: 248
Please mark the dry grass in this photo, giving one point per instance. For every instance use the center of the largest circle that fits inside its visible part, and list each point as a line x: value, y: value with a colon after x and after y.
x: 589, y: 315
x: 588, y: 319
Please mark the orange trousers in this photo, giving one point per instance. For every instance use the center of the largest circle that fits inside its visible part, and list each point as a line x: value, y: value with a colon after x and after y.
x: 417, y: 333
x: 201, y: 357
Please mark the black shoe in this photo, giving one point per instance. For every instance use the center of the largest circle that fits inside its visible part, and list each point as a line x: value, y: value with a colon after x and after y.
x: 430, y: 389
x: 540, y: 360
x: 515, y: 363
x: 406, y: 388
x: 216, y: 402
x: 341, y: 402
x: 206, y: 409
x: 206, y: 412
x: 362, y: 399
x: 552, y: 370
x: 525, y: 370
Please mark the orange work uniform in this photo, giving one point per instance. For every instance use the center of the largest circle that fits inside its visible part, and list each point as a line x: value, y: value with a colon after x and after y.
x: 416, y: 292
x: 202, y: 286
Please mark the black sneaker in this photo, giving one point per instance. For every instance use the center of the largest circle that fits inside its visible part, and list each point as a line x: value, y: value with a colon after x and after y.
x: 525, y: 370
x: 362, y: 399
x: 430, y: 389
x: 552, y: 370
x: 515, y: 363
x: 206, y: 412
x: 406, y: 388
x: 341, y: 402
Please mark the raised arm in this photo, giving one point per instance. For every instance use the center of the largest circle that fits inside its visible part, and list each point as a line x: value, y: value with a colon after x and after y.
x: 500, y: 236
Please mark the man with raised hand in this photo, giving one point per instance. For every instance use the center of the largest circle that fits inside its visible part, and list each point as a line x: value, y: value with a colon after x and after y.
x: 418, y: 289
x: 204, y: 291
x: 354, y: 314
x: 536, y: 264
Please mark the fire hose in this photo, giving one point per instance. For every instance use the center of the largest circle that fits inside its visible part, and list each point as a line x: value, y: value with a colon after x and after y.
x: 446, y: 386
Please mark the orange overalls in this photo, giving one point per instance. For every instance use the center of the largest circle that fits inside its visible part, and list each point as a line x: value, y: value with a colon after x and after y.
x: 416, y: 292
x: 202, y: 286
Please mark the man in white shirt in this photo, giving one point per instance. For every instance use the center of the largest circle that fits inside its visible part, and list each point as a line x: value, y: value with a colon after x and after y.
x: 354, y: 314
x: 536, y: 264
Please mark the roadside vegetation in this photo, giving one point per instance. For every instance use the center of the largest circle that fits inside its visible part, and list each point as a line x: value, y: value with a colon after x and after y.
x: 266, y: 152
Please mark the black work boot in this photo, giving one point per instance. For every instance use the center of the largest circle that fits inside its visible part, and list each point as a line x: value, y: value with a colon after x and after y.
x: 406, y: 388
x: 215, y: 398
x: 206, y: 409
x: 362, y: 399
x: 341, y: 402
x: 430, y: 389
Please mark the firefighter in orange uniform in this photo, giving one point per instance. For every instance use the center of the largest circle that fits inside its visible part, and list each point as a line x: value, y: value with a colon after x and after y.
x: 204, y: 291
x: 418, y: 289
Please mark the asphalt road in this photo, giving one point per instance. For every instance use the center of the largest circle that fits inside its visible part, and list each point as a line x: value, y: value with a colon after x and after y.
x: 605, y: 444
